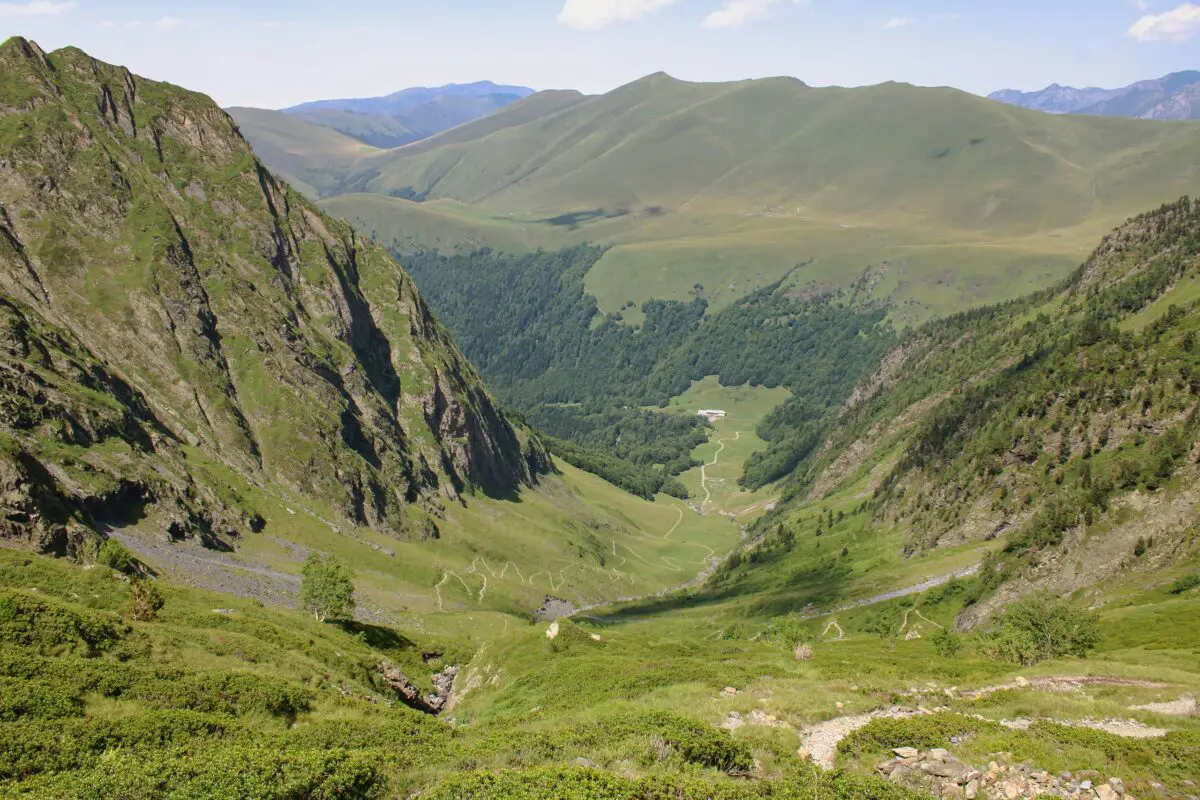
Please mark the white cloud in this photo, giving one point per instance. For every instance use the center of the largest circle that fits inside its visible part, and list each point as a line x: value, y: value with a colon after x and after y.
x: 1172, y: 26
x: 592, y: 15
x: 276, y: 24
x: 167, y: 23
x: 898, y: 22
x: 38, y: 8
x: 737, y: 13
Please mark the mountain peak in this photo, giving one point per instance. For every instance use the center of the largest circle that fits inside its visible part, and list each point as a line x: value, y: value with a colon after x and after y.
x: 23, y: 48
x: 1162, y: 98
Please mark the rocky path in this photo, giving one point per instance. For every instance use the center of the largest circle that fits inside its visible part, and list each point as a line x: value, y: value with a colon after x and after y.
x: 820, y: 741
x: 883, y: 597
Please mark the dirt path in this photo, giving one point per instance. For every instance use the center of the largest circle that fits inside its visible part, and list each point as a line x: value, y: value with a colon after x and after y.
x: 883, y: 597
x: 716, y: 458
x: 679, y: 509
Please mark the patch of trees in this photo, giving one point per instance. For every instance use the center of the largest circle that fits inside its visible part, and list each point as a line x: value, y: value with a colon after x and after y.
x: 634, y: 478
x: 541, y: 341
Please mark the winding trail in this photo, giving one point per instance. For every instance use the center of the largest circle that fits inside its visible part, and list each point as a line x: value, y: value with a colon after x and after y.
x: 716, y: 458
x: 679, y: 510
x: 710, y: 560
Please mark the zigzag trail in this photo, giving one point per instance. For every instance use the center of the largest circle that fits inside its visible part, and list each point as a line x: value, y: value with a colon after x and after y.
x: 711, y: 560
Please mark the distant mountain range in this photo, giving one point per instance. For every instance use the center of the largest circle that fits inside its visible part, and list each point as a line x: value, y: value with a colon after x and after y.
x: 1173, y: 97
x: 410, y: 114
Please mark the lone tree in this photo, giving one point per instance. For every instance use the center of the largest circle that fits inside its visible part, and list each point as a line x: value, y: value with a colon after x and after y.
x: 327, y: 588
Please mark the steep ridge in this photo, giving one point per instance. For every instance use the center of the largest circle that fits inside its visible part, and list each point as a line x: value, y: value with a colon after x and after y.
x: 1064, y: 425
x: 165, y: 298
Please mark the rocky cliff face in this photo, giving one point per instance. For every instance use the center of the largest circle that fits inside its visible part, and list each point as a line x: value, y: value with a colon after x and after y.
x: 164, y: 299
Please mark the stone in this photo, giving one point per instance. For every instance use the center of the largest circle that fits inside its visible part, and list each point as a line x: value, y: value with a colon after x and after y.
x: 803, y: 754
x: 907, y: 752
x: 972, y: 790
x: 1106, y: 792
x: 1086, y: 785
x: 840, y: 706
x: 1087, y: 773
x: 1117, y: 785
x: 938, y: 754
x: 952, y: 770
x: 1022, y: 681
x: 585, y: 762
x: 1010, y: 790
x: 899, y: 774
x: 730, y: 690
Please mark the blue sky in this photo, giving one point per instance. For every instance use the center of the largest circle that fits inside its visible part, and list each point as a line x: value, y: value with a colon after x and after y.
x: 272, y: 53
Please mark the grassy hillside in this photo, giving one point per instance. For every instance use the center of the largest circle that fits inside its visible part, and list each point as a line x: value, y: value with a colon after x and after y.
x: 313, y: 158
x: 1063, y: 426
x: 733, y: 185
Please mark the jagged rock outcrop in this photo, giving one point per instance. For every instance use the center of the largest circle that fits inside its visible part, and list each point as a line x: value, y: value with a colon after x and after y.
x: 164, y: 300
x: 393, y: 678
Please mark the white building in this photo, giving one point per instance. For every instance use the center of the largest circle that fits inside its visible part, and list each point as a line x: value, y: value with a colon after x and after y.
x: 712, y: 414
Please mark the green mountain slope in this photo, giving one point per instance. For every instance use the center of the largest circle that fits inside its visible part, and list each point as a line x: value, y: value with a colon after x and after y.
x: 385, y: 122
x: 313, y: 158
x: 931, y: 157
x: 168, y: 294
x: 375, y: 130
x: 1060, y: 434
x: 732, y: 185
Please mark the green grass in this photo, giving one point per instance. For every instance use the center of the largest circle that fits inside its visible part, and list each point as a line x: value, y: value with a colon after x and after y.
x: 745, y: 407
x: 959, y: 200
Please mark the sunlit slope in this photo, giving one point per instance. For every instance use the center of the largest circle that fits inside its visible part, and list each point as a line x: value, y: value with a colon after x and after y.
x: 890, y: 153
x: 313, y: 158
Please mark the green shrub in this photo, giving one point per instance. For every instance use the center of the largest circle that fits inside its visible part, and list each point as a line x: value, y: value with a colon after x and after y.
x: 789, y: 631
x: 49, y: 626
x: 145, y: 601
x: 116, y: 556
x: 236, y: 693
x: 923, y: 732
x: 36, y: 699
x: 33, y: 747
x: 563, y: 783
x: 227, y: 772
x: 1186, y: 583
x: 946, y: 642
x: 1039, y: 627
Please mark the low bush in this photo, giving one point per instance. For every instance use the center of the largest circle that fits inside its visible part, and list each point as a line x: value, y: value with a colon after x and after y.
x: 223, y: 772
x: 235, y: 693
x: 115, y: 555
x: 563, y: 783
x: 48, y: 626
x: 946, y: 642
x: 923, y: 732
x: 145, y: 601
x: 35, y: 699
x: 1039, y: 627
x: 1186, y: 583
x: 33, y: 747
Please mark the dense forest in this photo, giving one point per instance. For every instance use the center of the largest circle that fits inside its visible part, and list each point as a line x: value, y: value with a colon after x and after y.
x: 583, y: 376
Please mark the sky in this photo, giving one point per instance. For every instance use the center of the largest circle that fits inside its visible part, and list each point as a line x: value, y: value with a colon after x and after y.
x: 276, y: 53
